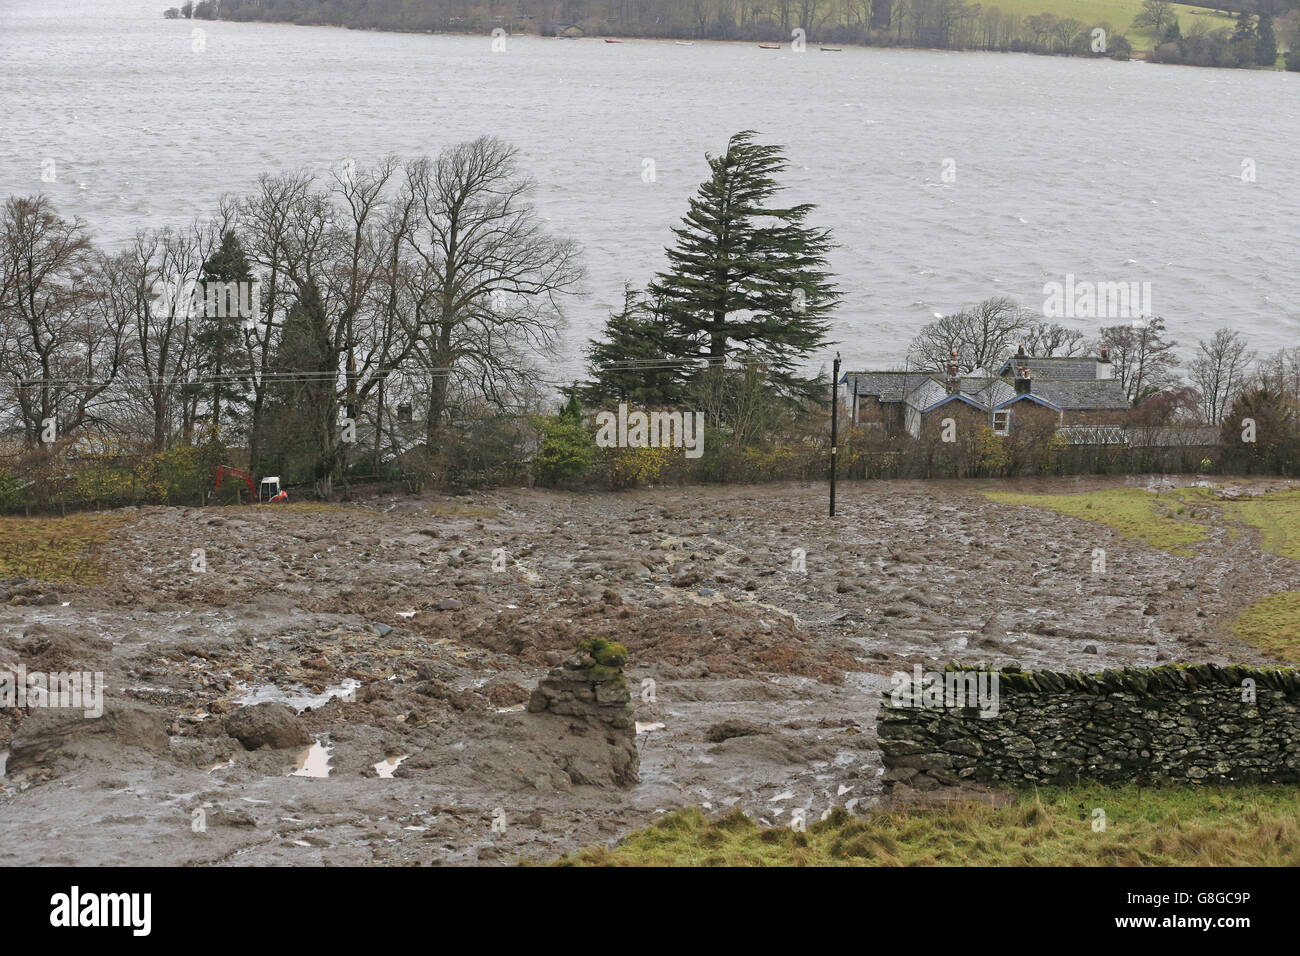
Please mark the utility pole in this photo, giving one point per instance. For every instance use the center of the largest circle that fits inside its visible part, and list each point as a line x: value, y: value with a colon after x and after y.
x: 835, y: 420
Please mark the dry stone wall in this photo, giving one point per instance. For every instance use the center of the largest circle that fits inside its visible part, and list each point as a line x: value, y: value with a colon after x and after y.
x: 1177, y: 723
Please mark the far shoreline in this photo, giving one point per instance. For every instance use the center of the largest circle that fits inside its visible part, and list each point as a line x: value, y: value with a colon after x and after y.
x: 1137, y: 56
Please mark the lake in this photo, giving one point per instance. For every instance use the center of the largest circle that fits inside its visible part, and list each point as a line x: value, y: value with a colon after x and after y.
x: 946, y: 177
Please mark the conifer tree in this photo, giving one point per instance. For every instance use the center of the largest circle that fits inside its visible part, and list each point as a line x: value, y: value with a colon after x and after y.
x: 747, y: 278
x: 218, y: 336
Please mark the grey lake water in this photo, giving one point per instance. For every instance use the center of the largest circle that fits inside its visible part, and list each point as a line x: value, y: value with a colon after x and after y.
x: 1110, y: 172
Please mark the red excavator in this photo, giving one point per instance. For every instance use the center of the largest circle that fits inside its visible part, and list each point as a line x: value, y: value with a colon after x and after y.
x: 268, y: 490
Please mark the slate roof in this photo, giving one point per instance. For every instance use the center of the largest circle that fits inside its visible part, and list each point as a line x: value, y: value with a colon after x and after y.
x: 927, y: 393
x: 1104, y: 394
x: 1054, y: 367
x: 988, y: 390
x: 886, y: 386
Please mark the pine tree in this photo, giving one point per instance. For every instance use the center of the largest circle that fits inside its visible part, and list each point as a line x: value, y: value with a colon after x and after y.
x: 1266, y: 41
x: 747, y: 277
x: 634, y: 363
x: 1244, y: 39
x: 302, y: 402
x: 218, y: 336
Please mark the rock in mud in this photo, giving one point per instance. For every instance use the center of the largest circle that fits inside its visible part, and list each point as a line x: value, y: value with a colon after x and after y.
x: 734, y: 728
x: 48, y: 735
x: 267, y: 725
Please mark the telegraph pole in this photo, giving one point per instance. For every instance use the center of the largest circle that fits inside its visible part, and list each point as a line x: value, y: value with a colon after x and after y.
x: 835, y: 419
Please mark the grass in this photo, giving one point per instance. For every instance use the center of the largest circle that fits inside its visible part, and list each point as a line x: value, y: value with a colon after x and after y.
x: 1276, y: 516
x: 1272, y: 624
x: 1118, y: 13
x: 1159, y: 520
x: 1187, y: 826
x: 56, y: 549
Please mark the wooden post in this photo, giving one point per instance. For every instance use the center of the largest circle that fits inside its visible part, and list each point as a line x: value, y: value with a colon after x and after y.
x: 835, y: 419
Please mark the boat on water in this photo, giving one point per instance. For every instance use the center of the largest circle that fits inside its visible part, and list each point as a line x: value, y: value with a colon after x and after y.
x: 769, y: 46
x: 683, y: 43
x: 608, y: 40
x: 832, y: 49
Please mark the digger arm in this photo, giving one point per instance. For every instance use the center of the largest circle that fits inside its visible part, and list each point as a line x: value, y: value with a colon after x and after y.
x: 223, y: 470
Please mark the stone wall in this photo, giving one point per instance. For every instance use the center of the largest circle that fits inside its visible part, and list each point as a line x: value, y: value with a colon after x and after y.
x: 588, y: 695
x: 1176, y: 723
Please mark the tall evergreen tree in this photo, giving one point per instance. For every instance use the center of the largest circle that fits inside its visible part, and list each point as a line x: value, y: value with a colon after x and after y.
x: 633, y: 363
x: 302, y: 407
x: 1244, y: 39
x: 1266, y: 41
x: 218, y: 336
x: 746, y: 277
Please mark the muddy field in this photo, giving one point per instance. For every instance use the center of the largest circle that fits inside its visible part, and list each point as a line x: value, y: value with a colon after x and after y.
x: 407, y: 632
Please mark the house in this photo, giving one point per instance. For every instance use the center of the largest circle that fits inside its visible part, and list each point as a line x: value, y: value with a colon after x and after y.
x: 1033, y: 394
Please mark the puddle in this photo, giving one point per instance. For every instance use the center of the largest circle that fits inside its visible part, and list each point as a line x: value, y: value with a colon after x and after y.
x: 646, y: 728
x: 512, y: 709
x: 385, y: 768
x: 314, y: 761
x: 298, y: 697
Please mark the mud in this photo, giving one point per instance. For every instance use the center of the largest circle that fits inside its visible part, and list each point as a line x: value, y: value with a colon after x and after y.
x: 378, y: 665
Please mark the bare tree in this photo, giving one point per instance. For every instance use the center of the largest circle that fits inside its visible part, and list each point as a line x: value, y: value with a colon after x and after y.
x: 1143, y: 358
x: 61, y: 351
x: 1047, y: 339
x: 1154, y: 17
x: 491, y: 281
x: 1219, y: 372
x: 982, y: 335
x: 150, y: 291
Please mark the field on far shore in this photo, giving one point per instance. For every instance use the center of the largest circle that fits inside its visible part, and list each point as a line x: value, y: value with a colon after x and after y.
x: 1118, y: 13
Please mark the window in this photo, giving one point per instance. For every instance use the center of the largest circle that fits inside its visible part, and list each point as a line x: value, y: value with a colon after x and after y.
x: 1002, y: 422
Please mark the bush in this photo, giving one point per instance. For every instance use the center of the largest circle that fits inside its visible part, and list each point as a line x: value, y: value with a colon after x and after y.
x: 566, y: 449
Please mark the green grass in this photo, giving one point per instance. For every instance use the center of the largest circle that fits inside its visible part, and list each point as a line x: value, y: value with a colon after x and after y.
x: 1276, y: 516
x: 56, y: 549
x: 1159, y: 520
x: 1189, y: 826
x: 1272, y: 624
x: 1118, y: 13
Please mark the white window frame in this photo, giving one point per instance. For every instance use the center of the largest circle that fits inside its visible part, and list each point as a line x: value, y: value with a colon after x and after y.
x: 1006, y: 422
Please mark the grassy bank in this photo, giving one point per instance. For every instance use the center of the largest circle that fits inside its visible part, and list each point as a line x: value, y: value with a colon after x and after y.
x: 1160, y: 520
x: 1246, y: 826
x: 56, y: 549
x: 1277, y: 518
x: 1272, y: 624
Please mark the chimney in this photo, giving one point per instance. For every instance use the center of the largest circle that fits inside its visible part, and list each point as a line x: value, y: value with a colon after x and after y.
x: 954, y: 381
x: 1104, y: 369
x: 1020, y: 351
x: 1022, y: 380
